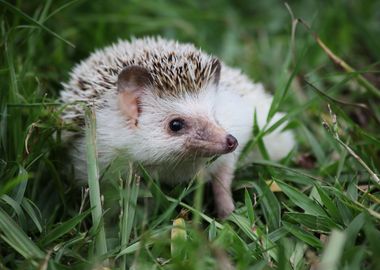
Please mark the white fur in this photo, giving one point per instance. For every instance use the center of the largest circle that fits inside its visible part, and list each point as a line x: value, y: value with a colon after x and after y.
x: 237, y: 101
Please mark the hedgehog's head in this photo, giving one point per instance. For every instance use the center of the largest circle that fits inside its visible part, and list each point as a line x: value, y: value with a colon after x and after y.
x: 169, y: 127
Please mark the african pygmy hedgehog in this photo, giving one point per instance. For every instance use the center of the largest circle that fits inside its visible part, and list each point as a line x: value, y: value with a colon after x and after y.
x: 171, y: 108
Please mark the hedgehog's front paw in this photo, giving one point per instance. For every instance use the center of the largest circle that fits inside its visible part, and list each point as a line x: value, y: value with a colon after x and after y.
x: 225, y: 208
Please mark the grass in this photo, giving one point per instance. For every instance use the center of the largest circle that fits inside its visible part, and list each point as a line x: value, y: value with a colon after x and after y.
x: 319, y: 207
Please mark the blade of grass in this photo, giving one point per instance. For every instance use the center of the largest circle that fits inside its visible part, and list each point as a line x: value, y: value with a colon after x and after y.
x: 303, y: 235
x: 212, y: 231
x: 315, y: 223
x: 204, y: 216
x: 328, y: 203
x: 130, y: 195
x: 21, y: 188
x: 333, y: 251
x: 157, y: 194
x: 36, y: 105
x: 256, y: 235
x: 329, y: 98
x: 12, y: 183
x: 334, y: 132
x: 308, y: 178
x: 59, y: 9
x: 64, y: 247
x: 17, y: 238
x: 198, y: 199
x: 269, y: 204
x: 301, y: 200
x: 29, y: 19
x: 373, y: 236
x: 33, y: 212
x: 353, y: 229
x: 63, y: 228
x: 260, y: 141
x: 93, y: 182
x: 171, y: 208
x: 315, y: 145
x: 146, y: 240
x: 249, y: 206
x: 340, y: 62
x: 285, y: 82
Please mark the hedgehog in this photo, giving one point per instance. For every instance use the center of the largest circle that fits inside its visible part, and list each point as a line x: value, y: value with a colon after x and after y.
x: 171, y: 108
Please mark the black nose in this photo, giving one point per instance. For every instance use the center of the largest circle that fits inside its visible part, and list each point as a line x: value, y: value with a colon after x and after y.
x: 231, y: 143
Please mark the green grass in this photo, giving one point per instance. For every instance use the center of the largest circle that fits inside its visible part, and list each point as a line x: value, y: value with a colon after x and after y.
x: 325, y: 209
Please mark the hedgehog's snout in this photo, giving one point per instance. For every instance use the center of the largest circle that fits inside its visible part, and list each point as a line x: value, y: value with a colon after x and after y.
x: 231, y: 143
x: 207, y: 138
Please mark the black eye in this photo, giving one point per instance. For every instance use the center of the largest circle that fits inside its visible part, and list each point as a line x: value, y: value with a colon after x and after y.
x: 176, y: 125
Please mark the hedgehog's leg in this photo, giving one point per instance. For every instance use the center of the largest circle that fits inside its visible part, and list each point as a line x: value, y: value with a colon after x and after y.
x: 221, y: 186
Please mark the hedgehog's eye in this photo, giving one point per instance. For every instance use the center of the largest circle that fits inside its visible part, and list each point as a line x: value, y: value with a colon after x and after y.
x: 176, y: 124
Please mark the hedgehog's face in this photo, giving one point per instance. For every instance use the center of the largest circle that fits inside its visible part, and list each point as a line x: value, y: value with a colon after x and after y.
x: 190, y: 128
x: 198, y: 136
x: 172, y: 128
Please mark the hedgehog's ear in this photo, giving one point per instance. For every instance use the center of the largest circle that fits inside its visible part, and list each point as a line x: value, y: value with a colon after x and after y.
x: 131, y: 83
x: 215, y: 70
